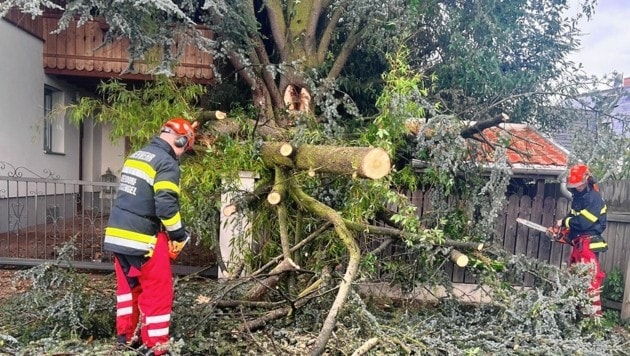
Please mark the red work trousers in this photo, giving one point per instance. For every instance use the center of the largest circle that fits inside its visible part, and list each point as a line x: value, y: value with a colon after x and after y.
x: 149, y: 302
x: 581, y: 253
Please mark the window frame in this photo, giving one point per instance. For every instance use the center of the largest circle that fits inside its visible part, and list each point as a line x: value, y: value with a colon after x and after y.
x: 52, y: 97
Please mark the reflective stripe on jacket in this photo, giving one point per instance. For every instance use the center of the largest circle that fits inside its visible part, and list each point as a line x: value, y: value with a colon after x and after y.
x: 588, y: 214
x: 147, y: 198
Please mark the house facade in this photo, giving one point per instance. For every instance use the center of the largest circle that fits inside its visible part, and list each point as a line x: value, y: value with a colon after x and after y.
x: 42, y: 73
x: 48, y: 165
x: 37, y: 139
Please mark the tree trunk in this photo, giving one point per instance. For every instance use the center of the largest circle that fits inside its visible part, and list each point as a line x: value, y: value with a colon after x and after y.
x: 364, y: 162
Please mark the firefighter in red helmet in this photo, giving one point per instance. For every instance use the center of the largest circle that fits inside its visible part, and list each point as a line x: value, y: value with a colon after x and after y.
x: 145, y: 231
x: 586, y: 222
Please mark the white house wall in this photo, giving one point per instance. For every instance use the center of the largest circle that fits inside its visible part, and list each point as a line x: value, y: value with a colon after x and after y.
x: 113, y: 154
x: 99, y: 153
x: 22, y: 82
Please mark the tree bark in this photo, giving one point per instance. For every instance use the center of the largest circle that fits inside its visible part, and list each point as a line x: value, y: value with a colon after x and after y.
x: 246, y: 200
x: 353, y: 261
x: 270, y: 282
x: 308, y: 239
x: 364, y: 162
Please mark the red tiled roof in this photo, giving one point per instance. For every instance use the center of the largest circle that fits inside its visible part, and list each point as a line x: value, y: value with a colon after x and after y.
x: 526, y: 146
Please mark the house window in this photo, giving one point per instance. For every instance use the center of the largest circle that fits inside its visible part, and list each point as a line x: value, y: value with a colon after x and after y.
x: 53, y: 121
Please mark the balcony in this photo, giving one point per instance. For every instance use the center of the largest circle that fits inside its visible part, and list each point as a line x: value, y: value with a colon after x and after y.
x: 78, y: 52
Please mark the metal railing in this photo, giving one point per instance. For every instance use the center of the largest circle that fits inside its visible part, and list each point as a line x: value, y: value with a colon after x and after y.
x: 40, y: 215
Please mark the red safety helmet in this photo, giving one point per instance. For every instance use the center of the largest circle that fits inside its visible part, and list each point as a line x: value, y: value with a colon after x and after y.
x: 578, y: 175
x: 184, y: 129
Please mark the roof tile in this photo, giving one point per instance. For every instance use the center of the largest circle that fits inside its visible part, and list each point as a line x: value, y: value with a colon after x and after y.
x: 526, y: 145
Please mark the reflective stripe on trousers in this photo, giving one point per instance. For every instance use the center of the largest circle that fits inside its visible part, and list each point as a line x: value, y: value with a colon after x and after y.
x: 127, y: 312
x: 581, y: 253
x: 151, y: 301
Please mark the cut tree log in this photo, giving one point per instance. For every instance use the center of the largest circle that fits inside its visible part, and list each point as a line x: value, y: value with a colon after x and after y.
x: 364, y: 162
x: 274, y: 197
x: 458, y: 258
x: 287, y: 150
x: 206, y: 116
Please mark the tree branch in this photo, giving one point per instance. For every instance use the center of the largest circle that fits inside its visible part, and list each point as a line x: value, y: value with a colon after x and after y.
x: 326, y: 37
x: 283, y: 224
x: 389, y: 231
x: 354, y: 256
x: 308, y: 239
x: 343, y: 55
x: 311, y: 28
x: 479, y: 126
x: 278, y: 26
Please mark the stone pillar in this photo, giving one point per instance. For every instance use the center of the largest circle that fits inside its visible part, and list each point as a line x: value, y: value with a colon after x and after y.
x: 235, y: 236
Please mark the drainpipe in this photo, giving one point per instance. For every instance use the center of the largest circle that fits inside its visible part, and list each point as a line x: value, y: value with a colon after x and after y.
x: 77, y: 98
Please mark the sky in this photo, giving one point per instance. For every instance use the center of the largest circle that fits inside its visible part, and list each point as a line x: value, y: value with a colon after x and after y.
x: 605, y: 46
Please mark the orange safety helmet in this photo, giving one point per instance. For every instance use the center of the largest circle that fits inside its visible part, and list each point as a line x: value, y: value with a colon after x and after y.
x: 578, y: 175
x: 184, y: 129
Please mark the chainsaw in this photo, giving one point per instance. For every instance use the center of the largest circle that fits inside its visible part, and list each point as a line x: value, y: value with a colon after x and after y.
x: 556, y: 233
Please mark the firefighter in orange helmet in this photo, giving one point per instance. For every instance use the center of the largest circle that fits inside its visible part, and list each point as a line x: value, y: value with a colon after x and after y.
x: 586, y: 222
x: 144, y: 231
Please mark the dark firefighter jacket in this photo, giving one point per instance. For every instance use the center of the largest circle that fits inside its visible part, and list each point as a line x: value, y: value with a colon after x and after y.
x: 587, y: 215
x: 147, y: 198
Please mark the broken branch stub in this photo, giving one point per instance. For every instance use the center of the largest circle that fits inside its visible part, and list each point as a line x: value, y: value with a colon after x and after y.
x: 269, y: 283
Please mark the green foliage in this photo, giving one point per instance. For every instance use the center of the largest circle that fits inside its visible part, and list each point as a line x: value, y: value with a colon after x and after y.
x: 60, y: 303
x: 137, y: 113
x: 496, y: 56
x: 399, y: 102
x: 601, y: 138
x: 613, y: 285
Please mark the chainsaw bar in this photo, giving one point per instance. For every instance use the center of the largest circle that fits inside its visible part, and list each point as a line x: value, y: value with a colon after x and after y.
x: 531, y: 224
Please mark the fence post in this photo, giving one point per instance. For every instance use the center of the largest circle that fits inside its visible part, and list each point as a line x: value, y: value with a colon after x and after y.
x: 625, y: 301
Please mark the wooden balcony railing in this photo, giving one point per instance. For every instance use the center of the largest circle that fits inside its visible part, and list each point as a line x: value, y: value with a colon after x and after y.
x: 78, y: 51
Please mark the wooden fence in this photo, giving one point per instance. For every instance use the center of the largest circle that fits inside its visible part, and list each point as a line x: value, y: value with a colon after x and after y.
x: 545, y: 207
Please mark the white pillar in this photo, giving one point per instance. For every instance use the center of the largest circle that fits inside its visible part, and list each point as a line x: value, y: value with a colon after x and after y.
x: 234, y: 234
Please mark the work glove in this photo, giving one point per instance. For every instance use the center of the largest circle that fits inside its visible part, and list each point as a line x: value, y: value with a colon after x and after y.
x: 175, y: 247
